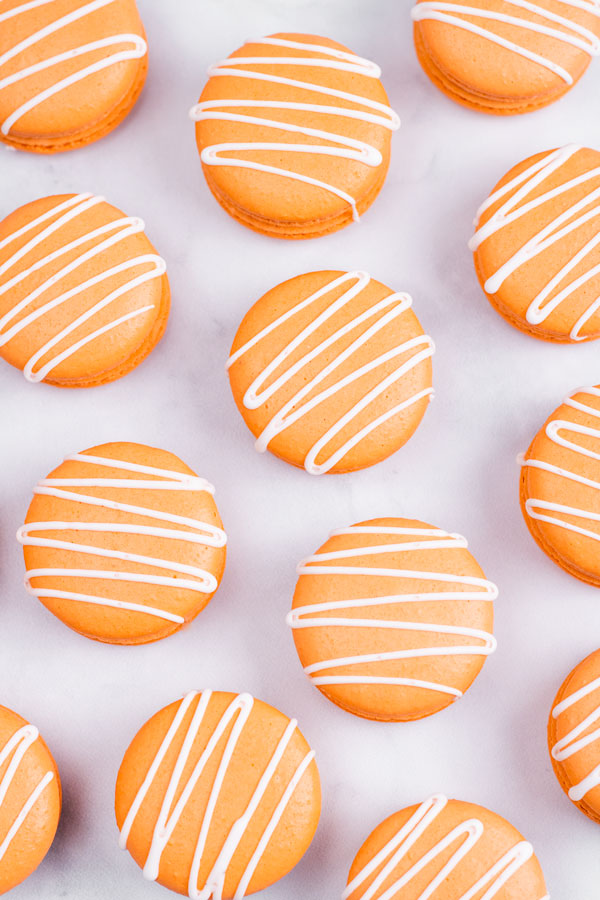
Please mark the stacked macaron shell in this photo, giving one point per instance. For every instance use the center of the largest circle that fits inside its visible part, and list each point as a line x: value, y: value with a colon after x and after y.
x: 84, y: 297
x: 294, y: 135
x: 70, y: 71
x: 392, y: 618
x: 506, y: 56
x: 331, y: 371
x: 218, y: 795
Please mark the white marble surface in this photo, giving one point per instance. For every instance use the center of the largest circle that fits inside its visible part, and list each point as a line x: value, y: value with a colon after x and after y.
x: 494, y: 388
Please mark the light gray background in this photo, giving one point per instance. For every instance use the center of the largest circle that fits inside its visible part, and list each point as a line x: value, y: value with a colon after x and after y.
x: 494, y: 388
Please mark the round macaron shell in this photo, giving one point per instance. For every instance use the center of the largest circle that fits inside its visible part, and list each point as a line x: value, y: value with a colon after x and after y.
x: 36, y: 256
x: 276, y: 202
x: 566, y: 544
x: 257, y: 742
x: 526, y: 283
x: 485, y: 75
x: 82, y: 109
x: 105, y: 622
x: 575, y: 758
x: 317, y: 645
x: 34, y: 836
x: 497, y: 838
x: 294, y: 443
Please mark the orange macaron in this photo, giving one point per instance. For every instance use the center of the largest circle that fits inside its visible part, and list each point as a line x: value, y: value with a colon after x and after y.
x: 123, y: 543
x: 560, y: 485
x: 506, y: 56
x: 84, y: 297
x: 30, y: 799
x: 537, y: 245
x: 574, y: 736
x: 70, y: 70
x: 331, y: 371
x: 449, y: 848
x: 218, y: 795
x: 294, y: 134
x: 392, y: 619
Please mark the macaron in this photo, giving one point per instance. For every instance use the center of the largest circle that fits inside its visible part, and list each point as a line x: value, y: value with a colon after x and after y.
x: 218, y: 795
x: 456, y: 849
x: 506, y: 56
x: 392, y: 618
x: 331, y: 371
x: 70, y: 71
x: 30, y: 799
x: 560, y: 485
x: 537, y: 245
x: 84, y: 297
x: 574, y: 736
x: 294, y: 134
x: 123, y: 543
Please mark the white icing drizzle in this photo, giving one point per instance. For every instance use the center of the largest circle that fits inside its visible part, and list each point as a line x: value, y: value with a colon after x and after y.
x: 110, y: 234
x: 575, y: 216
x: 297, y: 406
x: 31, y: 535
x: 238, y: 712
x: 339, y: 145
x: 310, y: 616
x: 14, y: 752
x: 138, y: 48
x: 568, y: 32
x: 577, y: 739
x: 540, y: 509
x: 402, y: 843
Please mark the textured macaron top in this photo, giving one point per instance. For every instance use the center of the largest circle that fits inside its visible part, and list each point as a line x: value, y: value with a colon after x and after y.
x: 574, y: 735
x: 537, y: 244
x: 458, y: 850
x: 560, y: 485
x: 83, y: 293
x: 30, y: 799
x: 331, y: 371
x: 123, y: 543
x: 217, y: 796
x: 392, y: 618
x: 69, y: 69
x: 506, y: 55
x: 294, y: 129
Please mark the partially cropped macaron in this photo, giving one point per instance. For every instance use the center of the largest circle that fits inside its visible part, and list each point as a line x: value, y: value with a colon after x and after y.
x: 331, y: 371
x: 218, y: 795
x: 560, y: 485
x: 84, y: 297
x: 574, y: 736
x: 30, y: 799
x: 451, y: 848
x: 70, y: 71
x: 294, y: 134
x: 392, y: 618
x: 123, y: 543
x: 506, y: 56
x: 537, y: 245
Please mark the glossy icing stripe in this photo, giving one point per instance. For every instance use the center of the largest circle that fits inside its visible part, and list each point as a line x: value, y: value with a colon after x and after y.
x: 541, y: 509
x: 138, y: 49
x: 384, y: 312
x: 309, y: 616
x: 203, y: 533
x: 579, y: 738
x: 402, y: 845
x: 238, y: 713
x: 575, y: 216
x: 346, y: 147
x: 569, y: 32
x: 14, y: 752
x: 111, y: 234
